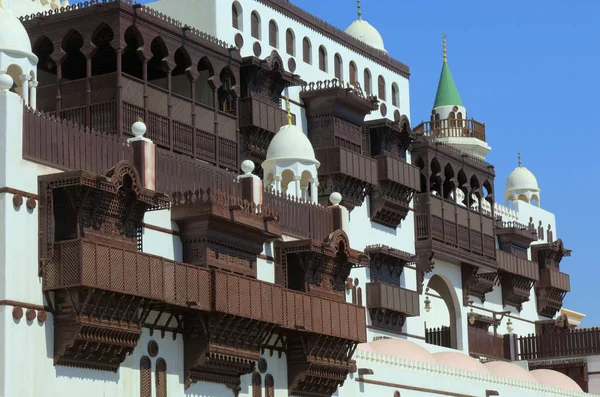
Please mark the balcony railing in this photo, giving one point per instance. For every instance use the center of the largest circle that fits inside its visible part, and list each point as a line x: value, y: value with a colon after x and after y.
x: 83, y: 263
x: 483, y: 343
x: 389, y: 297
x: 571, y: 343
x: 339, y: 160
x: 452, y: 128
x: 261, y: 114
x: 552, y: 278
x: 439, y: 336
x: 513, y: 264
x: 398, y: 171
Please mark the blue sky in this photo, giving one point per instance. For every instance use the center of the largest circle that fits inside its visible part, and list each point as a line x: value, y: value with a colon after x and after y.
x: 528, y: 69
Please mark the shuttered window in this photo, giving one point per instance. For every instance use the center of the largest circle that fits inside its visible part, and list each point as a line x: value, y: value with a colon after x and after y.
x: 256, y: 385
x: 395, y: 95
x: 289, y: 42
x: 368, y: 85
x: 234, y: 17
x: 255, y: 25
x: 273, y: 31
x: 322, y: 59
x: 381, y: 88
x: 352, y: 73
x: 306, y: 50
x: 270, y: 385
x: 161, y: 378
x: 145, y: 377
x: 337, y: 66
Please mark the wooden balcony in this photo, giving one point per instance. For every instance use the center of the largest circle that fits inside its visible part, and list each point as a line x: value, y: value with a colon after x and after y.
x: 551, y: 290
x: 455, y: 232
x: 390, y: 199
x: 452, y: 128
x: 346, y: 172
x: 552, y: 278
x: 567, y: 343
x: 483, y: 343
x: 389, y: 306
x: 517, y: 276
x: 515, y: 237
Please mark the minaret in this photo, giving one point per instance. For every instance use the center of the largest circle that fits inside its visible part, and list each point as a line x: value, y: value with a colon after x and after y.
x: 449, y: 121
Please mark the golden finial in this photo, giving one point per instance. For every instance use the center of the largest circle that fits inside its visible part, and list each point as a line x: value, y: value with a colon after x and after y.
x: 519, y: 155
x: 445, y: 51
x: 287, y: 107
x: 357, y: 4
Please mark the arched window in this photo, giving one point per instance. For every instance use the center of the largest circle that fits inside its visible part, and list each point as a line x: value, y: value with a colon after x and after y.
x: 270, y: 385
x: 381, y: 88
x: 322, y: 58
x: 359, y: 296
x: 337, y: 66
x: 161, y: 378
x: 395, y: 95
x: 290, y: 42
x: 255, y: 25
x: 352, y: 72
x: 145, y: 377
x: 273, y: 32
x: 306, y: 48
x: 235, y: 16
x: 256, y: 385
x: 368, y: 86
x: 226, y: 94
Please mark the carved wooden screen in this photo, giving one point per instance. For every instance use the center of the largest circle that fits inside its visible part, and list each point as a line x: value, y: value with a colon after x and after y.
x: 352, y: 72
x: 322, y: 59
x: 394, y: 95
x: 270, y: 386
x: 337, y: 66
x: 381, y: 88
x: 161, y: 378
x: 255, y: 25
x: 289, y: 42
x: 368, y: 88
x: 306, y: 50
x: 273, y: 34
x: 234, y: 17
x: 145, y: 377
x: 256, y: 385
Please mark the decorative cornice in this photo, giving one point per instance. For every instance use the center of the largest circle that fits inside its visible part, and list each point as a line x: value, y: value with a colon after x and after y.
x: 436, y: 369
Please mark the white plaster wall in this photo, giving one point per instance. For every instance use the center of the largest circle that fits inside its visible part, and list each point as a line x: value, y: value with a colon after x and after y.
x: 200, y: 14
x: 26, y: 7
x: 594, y: 374
x: 160, y: 243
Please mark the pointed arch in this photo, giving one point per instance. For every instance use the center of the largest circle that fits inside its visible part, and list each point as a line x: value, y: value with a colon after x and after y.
x: 290, y: 42
x: 256, y: 385
x: 353, y: 73
x: 381, y: 87
x: 322, y: 58
x: 368, y: 83
x: 46, y: 69
x: 157, y: 65
x: 227, y: 92
x: 145, y: 377
x: 74, y: 63
x: 337, y: 66
x: 444, y: 288
x: 449, y: 183
x: 161, y: 378
x: 180, y: 78
x: 204, y: 83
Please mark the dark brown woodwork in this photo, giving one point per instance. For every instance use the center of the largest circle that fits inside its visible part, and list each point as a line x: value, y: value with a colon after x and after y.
x: 475, y: 283
x: 576, y: 369
x: 552, y: 285
x: 469, y: 128
x: 386, y: 264
x: 320, y: 268
x: 389, y: 305
x: 517, y: 276
x: 485, y: 344
x: 515, y: 238
x: 222, y: 231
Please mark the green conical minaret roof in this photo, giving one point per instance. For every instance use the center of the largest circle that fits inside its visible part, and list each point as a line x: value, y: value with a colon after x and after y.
x: 447, y: 93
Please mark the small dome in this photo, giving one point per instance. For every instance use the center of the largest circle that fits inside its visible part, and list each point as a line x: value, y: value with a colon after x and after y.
x: 290, y: 143
x: 522, y: 179
x: 556, y: 379
x: 363, y: 31
x: 510, y: 370
x: 460, y: 361
x: 13, y: 36
x: 399, y: 348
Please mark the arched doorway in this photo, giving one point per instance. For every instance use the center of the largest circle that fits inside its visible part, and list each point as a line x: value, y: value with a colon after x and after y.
x: 443, y: 324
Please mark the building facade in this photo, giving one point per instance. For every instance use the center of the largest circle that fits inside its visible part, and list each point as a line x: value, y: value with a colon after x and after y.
x: 229, y: 199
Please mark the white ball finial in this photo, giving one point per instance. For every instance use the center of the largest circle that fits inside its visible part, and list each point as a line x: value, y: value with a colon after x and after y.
x: 335, y: 198
x: 139, y: 129
x: 6, y: 82
x: 248, y: 166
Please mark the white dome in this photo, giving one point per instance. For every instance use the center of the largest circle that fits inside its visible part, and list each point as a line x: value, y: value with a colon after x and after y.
x: 363, y: 31
x: 290, y: 144
x: 13, y: 36
x: 522, y: 179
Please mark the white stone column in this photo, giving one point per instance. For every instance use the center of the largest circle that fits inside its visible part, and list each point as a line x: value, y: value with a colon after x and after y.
x: 298, y: 187
x: 304, y: 192
x: 24, y: 89
x: 313, y: 190
x: 33, y: 94
x: 277, y: 179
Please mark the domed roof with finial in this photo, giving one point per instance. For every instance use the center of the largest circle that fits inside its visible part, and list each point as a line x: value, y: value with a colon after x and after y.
x: 521, y: 179
x: 13, y: 36
x: 365, y: 32
x: 290, y: 144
